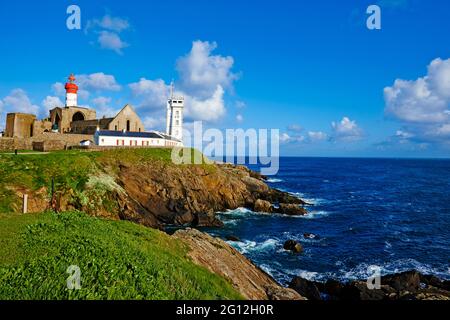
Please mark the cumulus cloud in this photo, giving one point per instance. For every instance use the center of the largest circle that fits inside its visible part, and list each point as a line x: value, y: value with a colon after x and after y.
x: 97, y: 81
x: 210, y: 109
x: 108, y: 29
x: 285, y: 138
x: 152, y: 94
x: 155, y: 123
x: 111, y: 41
x: 51, y: 102
x: 18, y: 101
x: 422, y: 106
x: 346, y: 130
x: 317, y: 136
x: 201, y: 72
x: 203, y: 81
x: 103, y: 107
x: 109, y: 22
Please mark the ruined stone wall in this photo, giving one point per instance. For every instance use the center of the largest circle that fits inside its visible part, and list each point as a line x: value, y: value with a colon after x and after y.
x: 11, y: 144
x: 67, y: 141
x: 41, y: 126
x: 19, y: 125
x: 120, y: 121
x: 64, y: 116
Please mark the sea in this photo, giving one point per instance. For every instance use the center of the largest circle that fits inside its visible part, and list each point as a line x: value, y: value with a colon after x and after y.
x: 391, y: 214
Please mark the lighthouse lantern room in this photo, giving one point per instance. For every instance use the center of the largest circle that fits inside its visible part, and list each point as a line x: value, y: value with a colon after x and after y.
x: 71, y: 92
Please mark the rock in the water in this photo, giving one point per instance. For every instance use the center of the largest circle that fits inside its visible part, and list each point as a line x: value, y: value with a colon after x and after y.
x: 293, y: 246
x: 291, y: 209
x: 262, y: 206
x: 305, y: 288
x: 410, y: 285
x: 233, y: 238
x: 405, y: 281
x: 309, y: 236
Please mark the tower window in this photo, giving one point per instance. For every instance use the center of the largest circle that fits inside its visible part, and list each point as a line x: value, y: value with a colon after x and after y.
x: 128, y: 125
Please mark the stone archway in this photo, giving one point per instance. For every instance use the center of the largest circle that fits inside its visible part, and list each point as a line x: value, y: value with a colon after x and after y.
x: 78, y: 116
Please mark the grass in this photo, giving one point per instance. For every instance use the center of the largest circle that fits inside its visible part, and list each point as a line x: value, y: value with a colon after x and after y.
x: 117, y: 260
x: 71, y: 171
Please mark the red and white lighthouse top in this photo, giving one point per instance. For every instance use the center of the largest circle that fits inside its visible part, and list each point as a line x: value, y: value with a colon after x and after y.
x: 71, y: 87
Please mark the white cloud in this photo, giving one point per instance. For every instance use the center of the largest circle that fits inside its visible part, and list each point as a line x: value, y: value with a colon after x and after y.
x: 109, y: 22
x: 103, y: 107
x: 153, y: 94
x: 239, y: 118
x: 97, y: 81
x: 422, y: 105
x: 295, y: 128
x: 201, y: 72
x: 58, y: 89
x: 210, y: 109
x: 111, y: 41
x: 317, y: 135
x: 51, y: 102
x: 346, y: 130
x: 108, y: 28
x: 286, y: 138
x: 155, y: 123
x: 18, y: 101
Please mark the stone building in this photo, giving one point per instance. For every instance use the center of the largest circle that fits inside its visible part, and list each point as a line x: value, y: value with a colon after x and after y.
x: 63, y: 117
x: 73, y: 120
x: 126, y: 120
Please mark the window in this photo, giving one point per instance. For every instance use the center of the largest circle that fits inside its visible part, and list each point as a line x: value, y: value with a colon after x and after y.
x: 177, y: 113
x: 177, y: 122
x: 123, y: 142
x: 128, y: 125
x: 118, y: 141
x: 131, y: 142
x: 115, y: 127
x: 135, y: 142
x: 103, y: 140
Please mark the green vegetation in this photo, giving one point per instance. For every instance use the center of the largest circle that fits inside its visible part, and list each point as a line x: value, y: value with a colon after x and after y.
x: 75, y: 172
x: 117, y: 259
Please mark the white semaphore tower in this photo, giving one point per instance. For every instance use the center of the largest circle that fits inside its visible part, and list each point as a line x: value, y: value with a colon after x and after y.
x: 175, y: 107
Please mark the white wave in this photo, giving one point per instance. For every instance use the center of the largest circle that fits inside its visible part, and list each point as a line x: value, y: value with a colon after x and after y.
x: 313, y: 215
x: 274, y: 180
x: 247, y: 246
x: 362, y: 271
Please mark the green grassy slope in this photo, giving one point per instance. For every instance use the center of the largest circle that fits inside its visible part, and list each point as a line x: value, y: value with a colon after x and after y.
x: 71, y: 171
x: 117, y: 260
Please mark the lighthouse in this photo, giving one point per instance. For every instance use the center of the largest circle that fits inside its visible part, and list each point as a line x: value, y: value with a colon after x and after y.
x: 71, y: 92
x: 175, y: 107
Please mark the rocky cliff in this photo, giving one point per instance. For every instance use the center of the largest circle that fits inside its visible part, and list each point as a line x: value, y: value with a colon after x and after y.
x: 161, y: 193
x: 220, y: 258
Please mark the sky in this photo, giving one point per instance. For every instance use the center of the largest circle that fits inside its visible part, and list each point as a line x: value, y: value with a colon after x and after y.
x: 311, y: 69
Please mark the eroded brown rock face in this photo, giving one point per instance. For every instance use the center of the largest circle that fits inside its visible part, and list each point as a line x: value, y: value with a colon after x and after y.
x: 160, y: 193
x: 222, y: 259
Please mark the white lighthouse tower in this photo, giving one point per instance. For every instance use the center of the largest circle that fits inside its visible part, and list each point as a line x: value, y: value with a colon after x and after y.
x: 175, y: 107
x: 71, y: 92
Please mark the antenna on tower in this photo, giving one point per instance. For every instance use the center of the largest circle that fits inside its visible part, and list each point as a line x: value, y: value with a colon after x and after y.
x: 171, y: 89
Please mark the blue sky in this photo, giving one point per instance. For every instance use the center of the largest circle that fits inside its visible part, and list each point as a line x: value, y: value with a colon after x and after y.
x: 309, y: 68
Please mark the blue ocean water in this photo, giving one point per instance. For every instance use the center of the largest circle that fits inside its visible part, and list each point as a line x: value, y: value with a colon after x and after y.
x: 393, y: 213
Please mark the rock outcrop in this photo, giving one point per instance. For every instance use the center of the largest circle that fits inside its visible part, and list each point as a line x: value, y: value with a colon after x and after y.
x: 222, y: 259
x: 410, y: 285
x: 159, y: 193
